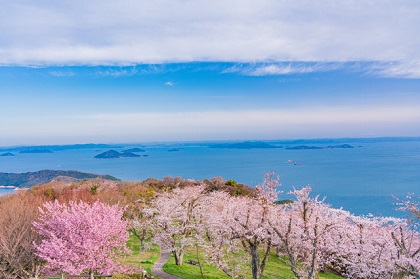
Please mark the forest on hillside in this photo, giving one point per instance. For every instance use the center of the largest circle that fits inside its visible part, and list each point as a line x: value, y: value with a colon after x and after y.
x: 238, y: 229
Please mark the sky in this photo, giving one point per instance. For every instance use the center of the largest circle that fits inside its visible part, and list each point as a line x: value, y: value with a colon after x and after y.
x: 102, y: 71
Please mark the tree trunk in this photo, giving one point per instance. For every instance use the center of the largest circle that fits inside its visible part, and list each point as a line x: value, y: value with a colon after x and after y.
x: 142, y: 238
x: 91, y: 275
x: 255, y: 261
x: 179, y: 257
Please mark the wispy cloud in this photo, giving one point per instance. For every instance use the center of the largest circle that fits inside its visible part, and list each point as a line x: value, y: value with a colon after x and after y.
x: 397, y: 69
x: 57, y: 73
x: 129, y: 32
x: 169, y: 83
x: 406, y: 69
x: 282, y: 68
x: 118, y: 72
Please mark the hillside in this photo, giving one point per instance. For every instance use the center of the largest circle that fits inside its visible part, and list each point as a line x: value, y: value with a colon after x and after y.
x: 29, y: 179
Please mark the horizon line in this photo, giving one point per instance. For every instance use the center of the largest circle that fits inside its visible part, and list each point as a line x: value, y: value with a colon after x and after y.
x: 389, y: 138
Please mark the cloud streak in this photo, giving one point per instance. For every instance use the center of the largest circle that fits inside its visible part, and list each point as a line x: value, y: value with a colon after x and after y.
x: 130, y: 32
x: 398, y: 69
x: 284, y: 68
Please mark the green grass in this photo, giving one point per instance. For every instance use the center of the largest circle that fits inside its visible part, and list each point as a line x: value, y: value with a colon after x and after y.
x: 188, y: 271
x: 141, y: 259
x: 275, y: 268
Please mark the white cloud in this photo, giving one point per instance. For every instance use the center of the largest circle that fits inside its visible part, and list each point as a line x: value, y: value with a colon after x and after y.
x: 130, y: 32
x: 62, y: 73
x: 283, y: 68
x: 398, y: 69
x: 119, y: 72
x: 169, y: 83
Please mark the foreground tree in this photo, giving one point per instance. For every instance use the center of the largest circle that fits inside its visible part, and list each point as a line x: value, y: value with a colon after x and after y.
x: 407, y: 238
x: 17, y: 212
x: 175, y: 217
x: 81, y: 238
x: 368, y: 250
x: 222, y: 245
x: 305, y: 233
x: 241, y: 223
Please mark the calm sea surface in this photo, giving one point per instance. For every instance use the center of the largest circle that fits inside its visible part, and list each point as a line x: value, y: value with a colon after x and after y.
x: 361, y: 180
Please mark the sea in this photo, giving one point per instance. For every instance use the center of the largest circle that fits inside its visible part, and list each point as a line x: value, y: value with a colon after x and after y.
x: 366, y: 179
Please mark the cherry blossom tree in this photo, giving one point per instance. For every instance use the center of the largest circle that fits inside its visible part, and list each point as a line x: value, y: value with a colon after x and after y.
x: 81, y: 238
x: 221, y: 244
x: 240, y: 223
x: 368, y: 250
x: 304, y: 233
x: 176, y: 219
x: 407, y: 238
x: 141, y: 225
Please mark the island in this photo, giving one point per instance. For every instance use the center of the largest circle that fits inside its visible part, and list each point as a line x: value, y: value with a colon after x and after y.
x: 303, y: 147
x: 29, y: 179
x: 134, y: 150
x: 35, y: 151
x: 112, y: 154
x: 58, y: 147
x: 245, y: 145
x: 340, y: 146
x: 173, y: 150
x: 7, y: 154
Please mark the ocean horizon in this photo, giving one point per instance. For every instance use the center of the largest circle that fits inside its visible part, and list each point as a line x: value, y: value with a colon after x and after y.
x: 365, y: 179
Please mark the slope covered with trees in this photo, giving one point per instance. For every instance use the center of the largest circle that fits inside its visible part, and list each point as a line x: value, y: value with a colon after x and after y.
x: 238, y: 229
x: 29, y: 179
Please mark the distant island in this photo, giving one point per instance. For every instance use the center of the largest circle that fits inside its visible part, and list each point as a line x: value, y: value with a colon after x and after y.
x: 29, y: 179
x: 7, y: 154
x: 303, y: 147
x: 244, y: 145
x: 173, y: 150
x: 36, y: 151
x: 59, y: 147
x: 112, y: 154
x: 340, y: 146
x: 134, y: 150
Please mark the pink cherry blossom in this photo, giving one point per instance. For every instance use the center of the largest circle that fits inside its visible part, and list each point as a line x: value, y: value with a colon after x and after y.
x: 81, y: 238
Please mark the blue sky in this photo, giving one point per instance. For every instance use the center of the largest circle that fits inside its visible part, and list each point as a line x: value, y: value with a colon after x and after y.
x: 140, y: 71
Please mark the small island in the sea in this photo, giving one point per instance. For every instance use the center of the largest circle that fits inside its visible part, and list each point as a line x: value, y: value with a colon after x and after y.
x: 303, y: 147
x: 111, y: 154
x: 340, y: 146
x: 173, y: 150
x: 131, y: 150
x: 35, y: 151
x: 244, y: 145
x: 7, y: 154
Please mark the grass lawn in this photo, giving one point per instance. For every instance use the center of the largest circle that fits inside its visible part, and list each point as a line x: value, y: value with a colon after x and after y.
x: 275, y: 268
x: 141, y: 259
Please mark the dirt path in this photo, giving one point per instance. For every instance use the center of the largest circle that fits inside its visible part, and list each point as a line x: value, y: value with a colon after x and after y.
x: 157, y: 269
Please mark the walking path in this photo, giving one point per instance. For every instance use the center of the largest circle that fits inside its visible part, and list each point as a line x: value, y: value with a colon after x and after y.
x: 157, y: 269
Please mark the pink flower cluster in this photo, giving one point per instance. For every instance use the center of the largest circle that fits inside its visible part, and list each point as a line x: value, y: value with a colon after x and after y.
x: 81, y: 238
